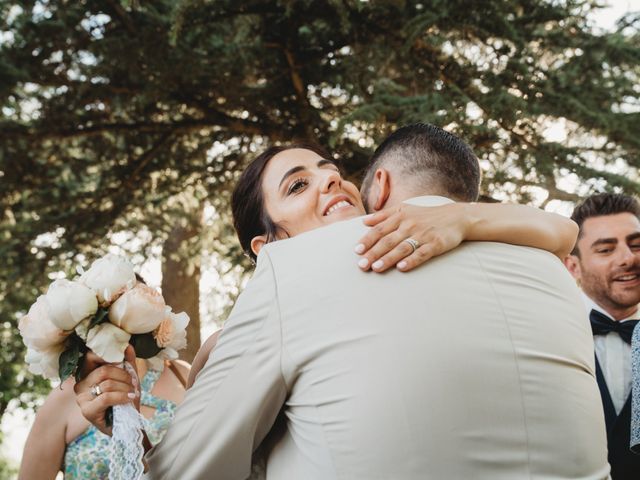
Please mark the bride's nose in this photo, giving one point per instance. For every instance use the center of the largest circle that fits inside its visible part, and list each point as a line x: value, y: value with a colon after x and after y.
x: 331, y: 181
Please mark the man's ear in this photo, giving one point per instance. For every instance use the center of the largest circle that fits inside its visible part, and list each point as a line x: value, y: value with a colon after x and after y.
x: 257, y: 243
x: 572, y: 262
x: 382, y: 188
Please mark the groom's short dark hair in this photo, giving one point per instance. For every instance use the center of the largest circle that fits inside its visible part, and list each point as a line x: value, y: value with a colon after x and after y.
x: 602, y: 204
x: 429, y: 159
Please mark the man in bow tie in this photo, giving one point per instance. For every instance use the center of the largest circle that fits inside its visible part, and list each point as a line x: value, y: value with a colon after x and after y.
x: 606, y: 264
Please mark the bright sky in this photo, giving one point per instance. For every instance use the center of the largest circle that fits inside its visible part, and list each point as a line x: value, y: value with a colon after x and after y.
x: 16, y: 426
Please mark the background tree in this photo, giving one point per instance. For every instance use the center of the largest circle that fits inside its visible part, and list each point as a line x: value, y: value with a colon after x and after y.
x: 115, y: 115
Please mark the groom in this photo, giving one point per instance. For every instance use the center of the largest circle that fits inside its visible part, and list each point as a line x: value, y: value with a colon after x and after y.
x: 477, y: 365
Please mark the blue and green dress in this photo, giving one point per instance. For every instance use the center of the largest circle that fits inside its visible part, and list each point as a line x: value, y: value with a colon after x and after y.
x: 87, y: 456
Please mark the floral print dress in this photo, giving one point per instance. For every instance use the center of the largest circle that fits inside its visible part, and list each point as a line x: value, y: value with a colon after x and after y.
x: 87, y: 456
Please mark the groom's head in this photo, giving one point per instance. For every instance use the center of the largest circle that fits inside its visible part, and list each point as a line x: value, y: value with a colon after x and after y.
x: 420, y: 159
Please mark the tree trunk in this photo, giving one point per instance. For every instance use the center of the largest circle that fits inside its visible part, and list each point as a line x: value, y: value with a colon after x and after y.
x: 181, y: 276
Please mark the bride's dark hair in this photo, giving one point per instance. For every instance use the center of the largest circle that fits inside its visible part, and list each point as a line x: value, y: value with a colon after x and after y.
x: 250, y: 217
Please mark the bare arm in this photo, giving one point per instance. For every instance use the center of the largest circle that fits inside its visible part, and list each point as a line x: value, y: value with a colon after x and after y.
x: 202, y: 356
x: 44, y: 450
x: 442, y: 228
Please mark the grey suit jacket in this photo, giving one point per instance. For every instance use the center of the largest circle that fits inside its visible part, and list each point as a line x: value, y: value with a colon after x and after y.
x: 478, y: 365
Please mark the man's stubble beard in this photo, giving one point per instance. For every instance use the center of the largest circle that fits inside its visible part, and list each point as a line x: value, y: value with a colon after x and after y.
x: 601, y: 290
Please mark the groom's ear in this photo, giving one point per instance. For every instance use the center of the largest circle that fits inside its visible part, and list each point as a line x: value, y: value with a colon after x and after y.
x: 572, y: 262
x: 257, y: 243
x: 382, y: 188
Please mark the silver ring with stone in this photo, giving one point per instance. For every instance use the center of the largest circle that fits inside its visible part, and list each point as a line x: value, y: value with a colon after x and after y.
x: 96, y: 391
x: 414, y: 243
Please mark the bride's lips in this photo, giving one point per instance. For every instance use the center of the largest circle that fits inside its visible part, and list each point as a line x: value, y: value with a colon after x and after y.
x: 336, y: 203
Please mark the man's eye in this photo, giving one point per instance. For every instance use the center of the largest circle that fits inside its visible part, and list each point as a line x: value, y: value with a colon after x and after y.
x: 635, y: 247
x: 297, y: 185
x: 603, y: 250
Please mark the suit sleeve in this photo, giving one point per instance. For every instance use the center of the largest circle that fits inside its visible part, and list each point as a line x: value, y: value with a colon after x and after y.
x: 235, y: 398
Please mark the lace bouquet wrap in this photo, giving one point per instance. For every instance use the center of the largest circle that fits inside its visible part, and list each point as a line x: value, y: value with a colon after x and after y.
x: 103, y: 310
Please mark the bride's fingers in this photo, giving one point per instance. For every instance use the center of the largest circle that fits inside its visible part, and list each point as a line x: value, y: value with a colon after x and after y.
x: 372, y: 258
x: 375, y: 218
x: 391, y: 258
x: 417, y: 258
x: 375, y: 234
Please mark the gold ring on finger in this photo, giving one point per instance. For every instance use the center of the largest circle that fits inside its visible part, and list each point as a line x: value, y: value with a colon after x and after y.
x: 414, y: 243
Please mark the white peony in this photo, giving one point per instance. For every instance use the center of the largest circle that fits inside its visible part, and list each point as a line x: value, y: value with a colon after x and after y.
x: 82, y: 329
x: 109, y: 276
x: 171, y: 336
x: 45, y: 362
x: 139, y: 310
x: 108, y: 342
x: 70, y: 303
x: 37, y: 329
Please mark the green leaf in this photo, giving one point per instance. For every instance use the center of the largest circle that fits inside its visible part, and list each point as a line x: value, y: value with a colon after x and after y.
x: 80, y: 370
x: 101, y: 316
x: 68, y: 361
x: 145, y: 345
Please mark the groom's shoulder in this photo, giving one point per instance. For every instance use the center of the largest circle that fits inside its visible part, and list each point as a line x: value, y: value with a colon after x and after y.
x: 320, y: 244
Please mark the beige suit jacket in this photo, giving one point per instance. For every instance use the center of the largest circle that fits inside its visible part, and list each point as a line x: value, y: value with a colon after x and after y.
x: 478, y: 365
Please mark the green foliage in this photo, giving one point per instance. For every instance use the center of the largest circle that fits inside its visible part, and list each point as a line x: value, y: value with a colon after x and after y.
x: 101, y: 316
x: 69, y: 360
x: 117, y: 117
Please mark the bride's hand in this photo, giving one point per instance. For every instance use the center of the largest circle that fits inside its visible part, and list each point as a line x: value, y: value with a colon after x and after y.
x: 436, y: 229
x: 116, y: 388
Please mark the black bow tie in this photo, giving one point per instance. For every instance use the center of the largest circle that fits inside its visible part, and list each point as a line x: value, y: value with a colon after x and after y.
x: 603, y: 325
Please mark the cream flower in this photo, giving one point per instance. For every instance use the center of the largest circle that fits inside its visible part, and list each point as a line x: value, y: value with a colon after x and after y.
x: 82, y: 329
x: 109, y: 276
x: 70, y: 303
x: 139, y: 310
x: 44, y: 362
x: 164, y: 333
x: 108, y: 342
x: 37, y: 329
x: 171, y: 335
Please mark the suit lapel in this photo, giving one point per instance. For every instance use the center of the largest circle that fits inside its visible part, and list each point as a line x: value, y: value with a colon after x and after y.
x: 609, y: 410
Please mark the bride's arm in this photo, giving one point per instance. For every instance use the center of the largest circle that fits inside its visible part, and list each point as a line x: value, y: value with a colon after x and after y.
x: 440, y: 229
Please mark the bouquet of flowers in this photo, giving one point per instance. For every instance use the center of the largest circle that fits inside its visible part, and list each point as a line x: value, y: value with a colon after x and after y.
x: 103, y: 310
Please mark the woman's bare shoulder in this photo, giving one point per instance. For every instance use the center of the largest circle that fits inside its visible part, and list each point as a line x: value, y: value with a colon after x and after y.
x: 183, y: 367
x: 59, y: 402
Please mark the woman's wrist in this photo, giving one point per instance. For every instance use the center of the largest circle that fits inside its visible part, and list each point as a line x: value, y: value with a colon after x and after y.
x: 471, y: 219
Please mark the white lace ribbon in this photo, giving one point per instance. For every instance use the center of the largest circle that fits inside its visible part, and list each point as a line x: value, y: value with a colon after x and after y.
x: 126, y: 450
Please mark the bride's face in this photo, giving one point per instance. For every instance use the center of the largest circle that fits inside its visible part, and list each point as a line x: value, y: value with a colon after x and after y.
x: 303, y: 191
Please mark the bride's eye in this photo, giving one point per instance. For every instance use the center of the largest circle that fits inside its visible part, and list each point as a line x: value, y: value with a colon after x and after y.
x: 297, y: 185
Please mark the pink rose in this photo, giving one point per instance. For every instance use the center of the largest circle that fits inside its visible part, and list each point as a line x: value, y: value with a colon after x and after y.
x: 164, y: 333
x: 139, y: 310
x: 171, y: 335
